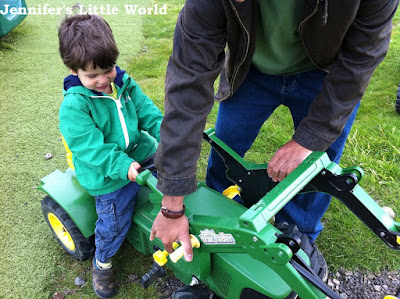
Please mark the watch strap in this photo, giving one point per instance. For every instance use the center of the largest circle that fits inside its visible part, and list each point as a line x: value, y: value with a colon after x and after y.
x: 172, y: 214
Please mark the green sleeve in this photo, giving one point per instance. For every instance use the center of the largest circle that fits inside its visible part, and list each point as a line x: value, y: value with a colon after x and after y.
x: 149, y: 116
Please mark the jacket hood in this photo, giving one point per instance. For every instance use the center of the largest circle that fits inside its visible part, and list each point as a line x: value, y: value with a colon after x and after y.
x: 73, y: 81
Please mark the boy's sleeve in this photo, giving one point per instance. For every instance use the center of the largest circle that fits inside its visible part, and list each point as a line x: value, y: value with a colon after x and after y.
x: 149, y: 115
x: 86, y: 142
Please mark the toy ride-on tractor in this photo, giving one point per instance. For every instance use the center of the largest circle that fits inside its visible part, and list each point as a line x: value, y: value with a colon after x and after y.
x: 239, y: 252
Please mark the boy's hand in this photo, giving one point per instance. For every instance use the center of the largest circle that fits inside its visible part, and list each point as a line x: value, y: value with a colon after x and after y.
x: 133, y: 171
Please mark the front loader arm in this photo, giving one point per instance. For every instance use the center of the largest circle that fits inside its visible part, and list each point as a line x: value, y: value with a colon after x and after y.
x: 344, y: 186
x: 253, y: 234
x: 252, y: 178
x: 316, y: 174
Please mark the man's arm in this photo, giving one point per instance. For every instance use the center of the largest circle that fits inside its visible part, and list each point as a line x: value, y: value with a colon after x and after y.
x: 196, y: 61
x: 363, y: 48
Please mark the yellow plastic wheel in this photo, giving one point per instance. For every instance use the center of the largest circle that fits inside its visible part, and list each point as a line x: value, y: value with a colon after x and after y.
x: 62, y: 233
x: 390, y: 297
x: 66, y: 232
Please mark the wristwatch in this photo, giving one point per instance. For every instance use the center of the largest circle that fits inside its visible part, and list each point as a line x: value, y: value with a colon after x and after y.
x: 172, y: 214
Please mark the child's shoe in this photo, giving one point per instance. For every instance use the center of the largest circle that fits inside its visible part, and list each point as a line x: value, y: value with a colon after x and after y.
x: 103, y: 280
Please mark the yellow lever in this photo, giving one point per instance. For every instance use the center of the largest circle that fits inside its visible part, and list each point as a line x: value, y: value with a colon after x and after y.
x: 232, y: 191
x: 178, y: 253
x: 160, y: 257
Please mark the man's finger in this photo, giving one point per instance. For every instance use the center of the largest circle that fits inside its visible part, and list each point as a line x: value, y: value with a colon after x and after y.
x: 274, y: 168
x: 168, y: 247
x: 152, y: 234
x: 188, y: 250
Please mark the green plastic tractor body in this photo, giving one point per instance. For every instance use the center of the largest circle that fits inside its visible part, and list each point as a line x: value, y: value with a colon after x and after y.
x: 239, y: 247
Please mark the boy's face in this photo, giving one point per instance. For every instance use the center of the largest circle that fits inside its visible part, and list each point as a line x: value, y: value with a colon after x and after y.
x: 97, y: 79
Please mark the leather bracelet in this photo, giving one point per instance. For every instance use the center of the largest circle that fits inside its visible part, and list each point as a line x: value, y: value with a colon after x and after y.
x: 172, y: 214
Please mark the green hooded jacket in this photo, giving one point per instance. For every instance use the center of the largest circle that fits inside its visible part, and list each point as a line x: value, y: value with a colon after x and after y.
x: 106, y: 135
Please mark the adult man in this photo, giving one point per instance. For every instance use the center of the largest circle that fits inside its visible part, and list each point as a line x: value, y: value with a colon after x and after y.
x: 313, y: 56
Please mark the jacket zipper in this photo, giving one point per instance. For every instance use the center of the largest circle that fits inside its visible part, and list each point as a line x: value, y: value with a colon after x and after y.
x: 301, y: 32
x: 309, y: 16
x: 120, y: 116
x: 236, y: 71
x: 122, y: 121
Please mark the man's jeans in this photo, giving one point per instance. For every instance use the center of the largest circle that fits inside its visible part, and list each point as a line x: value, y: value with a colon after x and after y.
x: 240, y: 119
x: 114, y: 211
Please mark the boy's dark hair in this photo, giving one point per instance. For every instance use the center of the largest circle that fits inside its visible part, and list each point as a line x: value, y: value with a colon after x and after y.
x: 87, y: 39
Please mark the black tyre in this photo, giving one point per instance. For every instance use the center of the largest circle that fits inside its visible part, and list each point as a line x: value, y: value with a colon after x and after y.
x: 398, y: 105
x: 66, y: 232
x: 317, y: 262
x: 251, y: 294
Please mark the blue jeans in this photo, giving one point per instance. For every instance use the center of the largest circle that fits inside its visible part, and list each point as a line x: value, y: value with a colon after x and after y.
x: 114, y: 211
x: 240, y: 119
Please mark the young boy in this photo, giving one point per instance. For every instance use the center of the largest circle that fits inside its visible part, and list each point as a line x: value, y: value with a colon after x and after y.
x: 110, y: 126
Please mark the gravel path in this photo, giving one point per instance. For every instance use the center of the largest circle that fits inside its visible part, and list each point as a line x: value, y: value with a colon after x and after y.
x: 348, y: 284
x: 364, y: 284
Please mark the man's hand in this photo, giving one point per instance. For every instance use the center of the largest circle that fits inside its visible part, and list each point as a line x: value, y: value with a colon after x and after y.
x: 286, y: 159
x: 133, y: 171
x: 172, y: 230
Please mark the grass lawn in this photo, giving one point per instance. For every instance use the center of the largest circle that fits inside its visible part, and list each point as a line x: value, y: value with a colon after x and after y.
x: 374, y: 145
x: 31, y: 71
x: 31, y: 75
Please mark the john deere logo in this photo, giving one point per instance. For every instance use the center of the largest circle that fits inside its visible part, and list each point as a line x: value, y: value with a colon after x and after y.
x: 209, y: 237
